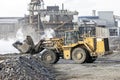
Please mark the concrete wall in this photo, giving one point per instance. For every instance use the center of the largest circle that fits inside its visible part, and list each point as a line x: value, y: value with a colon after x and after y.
x: 8, y: 26
x: 61, y: 18
x: 102, y: 32
x: 108, y: 17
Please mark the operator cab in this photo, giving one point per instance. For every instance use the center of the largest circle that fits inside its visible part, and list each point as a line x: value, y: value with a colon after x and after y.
x: 72, y: 36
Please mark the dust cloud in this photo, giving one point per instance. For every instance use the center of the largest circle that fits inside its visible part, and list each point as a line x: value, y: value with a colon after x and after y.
x: 48, y: 33
x: 6, y: 45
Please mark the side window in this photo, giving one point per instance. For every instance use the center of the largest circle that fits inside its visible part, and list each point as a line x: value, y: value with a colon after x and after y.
x: 113, y: 32
x: 71, y: 37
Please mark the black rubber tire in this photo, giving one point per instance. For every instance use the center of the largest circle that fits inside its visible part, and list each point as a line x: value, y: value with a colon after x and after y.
x: 57, y: 58
x: 79, y: 52
x: 91, y: 59
x: 53, y: 57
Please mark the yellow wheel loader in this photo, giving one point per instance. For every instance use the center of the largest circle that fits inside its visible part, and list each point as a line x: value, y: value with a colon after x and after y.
x: 72, y: 46
x: 77, y: 48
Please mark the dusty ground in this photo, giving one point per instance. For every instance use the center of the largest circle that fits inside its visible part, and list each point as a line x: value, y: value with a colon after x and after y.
x: 105, y: 68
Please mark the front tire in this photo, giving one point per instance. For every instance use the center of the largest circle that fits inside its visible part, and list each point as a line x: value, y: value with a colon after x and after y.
x: 79, y: 55
x: 49, y: 57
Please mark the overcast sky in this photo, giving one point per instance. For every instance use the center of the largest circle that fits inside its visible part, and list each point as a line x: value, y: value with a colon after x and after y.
x: 84, y: 7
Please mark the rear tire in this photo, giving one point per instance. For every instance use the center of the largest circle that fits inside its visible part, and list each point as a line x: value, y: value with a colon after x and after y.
x: 49, y: 57
x: 91, y: 59
x: 79, y: 55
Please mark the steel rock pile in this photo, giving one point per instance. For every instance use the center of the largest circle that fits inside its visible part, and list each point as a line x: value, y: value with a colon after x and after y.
x: 24, y: 68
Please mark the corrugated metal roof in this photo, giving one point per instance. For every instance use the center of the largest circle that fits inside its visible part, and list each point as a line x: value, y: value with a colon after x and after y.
x: 89, y: 17
x: 9, y: 19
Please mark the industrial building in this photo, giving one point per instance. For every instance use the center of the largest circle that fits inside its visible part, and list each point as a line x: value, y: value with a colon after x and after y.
x: 53, y: 17
x: 9, y: 26
x: 104, y: 24
x: 105, y: 20
x: 39, y: 18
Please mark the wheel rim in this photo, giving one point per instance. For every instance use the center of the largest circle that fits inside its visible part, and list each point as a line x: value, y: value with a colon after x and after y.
x: 49, y: 58
x: 79, y: 55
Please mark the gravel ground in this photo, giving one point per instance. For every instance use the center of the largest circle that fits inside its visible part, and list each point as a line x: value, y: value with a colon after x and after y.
x: 105, y: 68
x: 24, y: 68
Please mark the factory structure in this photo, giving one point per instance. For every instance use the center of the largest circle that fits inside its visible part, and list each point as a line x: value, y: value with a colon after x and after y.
x: 103, y: 24
x: 9, y: 26
x: 40, y: 18
x: 52, y: 17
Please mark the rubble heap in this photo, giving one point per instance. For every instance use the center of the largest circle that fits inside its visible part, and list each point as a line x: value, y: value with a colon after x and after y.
x: 24, y: 68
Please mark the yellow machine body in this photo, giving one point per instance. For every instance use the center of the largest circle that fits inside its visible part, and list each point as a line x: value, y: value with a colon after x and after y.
x: 96, y: 46
x: 80, y: 49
